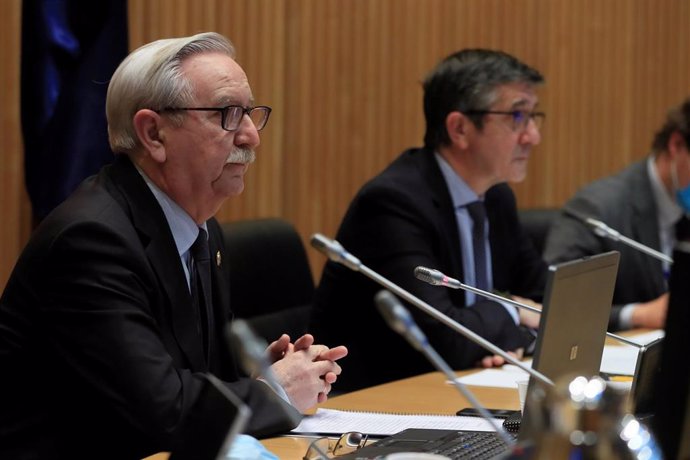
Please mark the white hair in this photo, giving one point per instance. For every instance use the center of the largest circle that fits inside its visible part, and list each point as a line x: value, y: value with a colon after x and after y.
x: 150, y: 77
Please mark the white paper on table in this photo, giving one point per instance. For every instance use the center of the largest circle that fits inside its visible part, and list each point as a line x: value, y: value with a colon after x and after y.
x: 336, y: 422
x: 647, y: 337
x: 616, y: 360
x: 621, y: 359
x: 505, y: 377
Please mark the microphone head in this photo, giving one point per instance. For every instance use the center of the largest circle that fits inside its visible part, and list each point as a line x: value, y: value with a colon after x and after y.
x: 334, y: 251
x: 330, y: 248
x: 252, y: 348
x: 399, y: 319
x: 320, y: 243
x: 576, y: 214
x: 428, y: 275
x: 391, y: 310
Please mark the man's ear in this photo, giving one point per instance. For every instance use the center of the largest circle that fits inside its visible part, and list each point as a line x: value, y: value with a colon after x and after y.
x: 457, y: 125
x: 676, y: 145
x: 147, y: 124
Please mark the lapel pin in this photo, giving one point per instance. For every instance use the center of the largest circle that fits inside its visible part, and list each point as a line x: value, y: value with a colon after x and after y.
x: 218, y: 258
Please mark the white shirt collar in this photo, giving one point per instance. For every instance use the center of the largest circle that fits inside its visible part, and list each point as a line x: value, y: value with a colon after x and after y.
x: 460, y: 193
x: 668, y: 211
x: 184, y: 229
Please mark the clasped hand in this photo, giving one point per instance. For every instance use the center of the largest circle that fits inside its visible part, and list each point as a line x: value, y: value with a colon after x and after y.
x: 304, y: 370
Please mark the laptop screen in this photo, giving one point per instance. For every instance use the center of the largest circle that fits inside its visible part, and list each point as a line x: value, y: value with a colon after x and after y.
x: 572, y: 328
x: 575, y: 315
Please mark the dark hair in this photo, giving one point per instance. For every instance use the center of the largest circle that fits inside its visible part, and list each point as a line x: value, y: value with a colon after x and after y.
x: 677, y: 120
x: 467, y: 80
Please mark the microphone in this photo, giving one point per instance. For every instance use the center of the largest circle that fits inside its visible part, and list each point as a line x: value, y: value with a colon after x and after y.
x: 437, y: 278
x: 254, y: 360
x: 335, y: 252
x: 604, y: 231
x: 400, y: 320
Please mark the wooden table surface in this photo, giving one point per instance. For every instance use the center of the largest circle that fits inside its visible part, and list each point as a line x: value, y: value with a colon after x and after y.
x: 427, y: 393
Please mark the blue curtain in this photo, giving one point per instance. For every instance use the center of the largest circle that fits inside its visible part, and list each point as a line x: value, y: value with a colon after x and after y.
x: 70, y: 48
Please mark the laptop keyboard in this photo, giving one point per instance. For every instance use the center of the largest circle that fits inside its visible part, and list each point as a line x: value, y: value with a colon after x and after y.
x: 464, y: 445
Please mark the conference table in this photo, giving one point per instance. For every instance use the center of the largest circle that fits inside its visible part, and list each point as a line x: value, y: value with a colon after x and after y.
x: 424, y: 394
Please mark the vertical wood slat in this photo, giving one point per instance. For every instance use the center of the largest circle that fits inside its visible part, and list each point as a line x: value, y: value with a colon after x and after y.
x: 13, y: 200
x: 344, y: 79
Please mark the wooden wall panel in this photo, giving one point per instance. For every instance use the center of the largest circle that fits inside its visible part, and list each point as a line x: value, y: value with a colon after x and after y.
x: 15, y: 223
x: 343, y: 77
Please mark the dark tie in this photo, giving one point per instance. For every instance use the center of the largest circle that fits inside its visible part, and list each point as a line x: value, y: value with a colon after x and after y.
x: 201, y: 276
x: 478, y: 214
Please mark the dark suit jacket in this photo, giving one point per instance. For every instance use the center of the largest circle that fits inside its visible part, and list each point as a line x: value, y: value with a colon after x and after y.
x: 99, y: 350
x: 401, y: 219
x: 625, y: 202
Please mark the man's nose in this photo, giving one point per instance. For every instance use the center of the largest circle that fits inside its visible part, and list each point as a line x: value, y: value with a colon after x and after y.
x: 247, y: 135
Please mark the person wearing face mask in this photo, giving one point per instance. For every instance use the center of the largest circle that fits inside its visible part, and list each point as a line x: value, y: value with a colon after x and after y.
x: 647, y: 201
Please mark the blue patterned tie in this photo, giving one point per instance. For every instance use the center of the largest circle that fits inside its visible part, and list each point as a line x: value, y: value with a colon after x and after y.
x: 478, y: 214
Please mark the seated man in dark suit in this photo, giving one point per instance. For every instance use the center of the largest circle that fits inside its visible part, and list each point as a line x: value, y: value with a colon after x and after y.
x: 118, y: 304
x: 481, y: 126
x: 640, y: 202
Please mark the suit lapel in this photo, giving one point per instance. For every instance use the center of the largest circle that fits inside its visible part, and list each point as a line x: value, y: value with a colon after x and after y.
x: 448, y: 225
x: 168, y: 269
x: 150, y: 222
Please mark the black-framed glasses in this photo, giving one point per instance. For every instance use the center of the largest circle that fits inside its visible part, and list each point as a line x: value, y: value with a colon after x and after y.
x: 520, y: 118
x: 345, y: 444
x: 231, y: 115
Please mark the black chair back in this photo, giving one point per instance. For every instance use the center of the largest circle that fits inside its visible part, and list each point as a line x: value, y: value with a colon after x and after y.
x: 271, y: 284
x: 536, y: 223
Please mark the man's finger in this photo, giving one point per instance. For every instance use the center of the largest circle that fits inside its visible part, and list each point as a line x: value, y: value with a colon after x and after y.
x: 333, y: 354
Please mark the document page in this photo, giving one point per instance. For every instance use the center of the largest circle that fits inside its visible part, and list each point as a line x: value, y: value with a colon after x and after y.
x: 337, y: 422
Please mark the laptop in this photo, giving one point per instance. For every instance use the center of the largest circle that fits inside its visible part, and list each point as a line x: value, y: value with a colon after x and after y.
x: 572, y: 332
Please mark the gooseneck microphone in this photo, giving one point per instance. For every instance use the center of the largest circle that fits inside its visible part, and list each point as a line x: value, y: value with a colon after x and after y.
x: 604, y: 231
x: 437, y: 278
x: 400, y: 320
x: 335, y: 252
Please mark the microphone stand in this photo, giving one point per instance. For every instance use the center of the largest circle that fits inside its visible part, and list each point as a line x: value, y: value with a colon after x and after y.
x: 400, y: 320
x: 604, y: 231
x: 335, y: 252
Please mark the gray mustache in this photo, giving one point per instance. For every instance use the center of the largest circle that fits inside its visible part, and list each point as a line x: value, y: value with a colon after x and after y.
x: 244, y: 156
